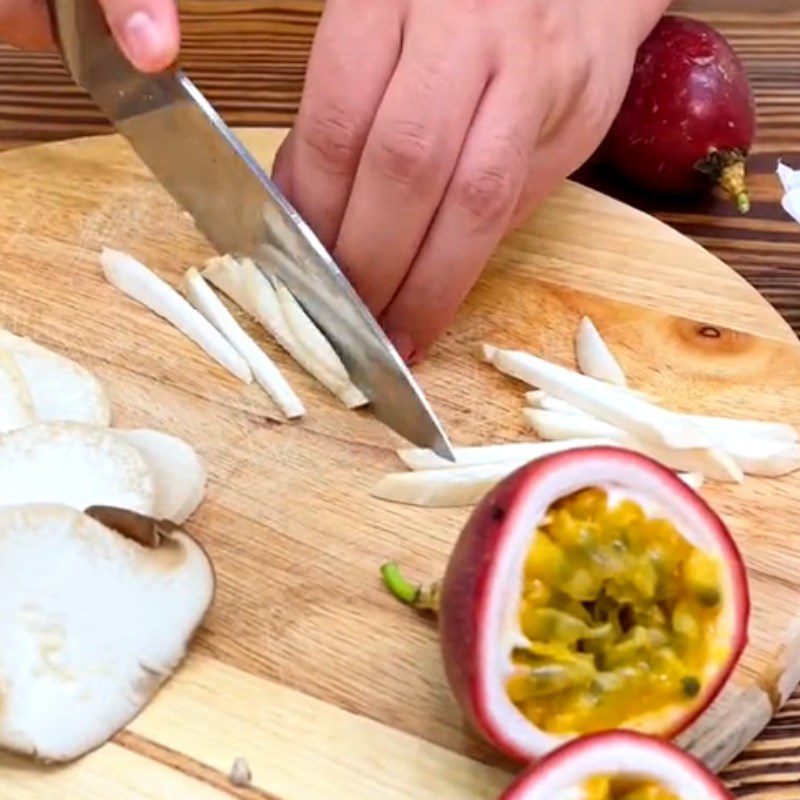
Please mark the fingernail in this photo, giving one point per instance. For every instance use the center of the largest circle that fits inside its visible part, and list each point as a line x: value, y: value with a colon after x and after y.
x: 403, y: 344
x: 145, y: 43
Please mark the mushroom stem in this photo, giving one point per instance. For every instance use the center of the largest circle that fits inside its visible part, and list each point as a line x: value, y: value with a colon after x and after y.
x: 423, y: 598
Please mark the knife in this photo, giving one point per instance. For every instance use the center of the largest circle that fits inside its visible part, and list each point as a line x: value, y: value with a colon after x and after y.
x: 183, y: 141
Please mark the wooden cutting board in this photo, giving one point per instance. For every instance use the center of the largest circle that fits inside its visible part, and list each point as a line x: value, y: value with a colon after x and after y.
x: 328, y: 687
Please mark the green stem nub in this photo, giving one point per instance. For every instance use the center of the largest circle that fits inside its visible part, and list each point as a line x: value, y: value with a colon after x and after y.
x: 727, y: 168
x: 422, y: 598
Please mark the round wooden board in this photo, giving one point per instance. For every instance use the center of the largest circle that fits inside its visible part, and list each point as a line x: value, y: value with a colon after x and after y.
x: 305, y: 667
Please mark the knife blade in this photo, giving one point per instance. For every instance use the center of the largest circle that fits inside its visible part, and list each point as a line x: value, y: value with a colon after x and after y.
x: 183, y: 141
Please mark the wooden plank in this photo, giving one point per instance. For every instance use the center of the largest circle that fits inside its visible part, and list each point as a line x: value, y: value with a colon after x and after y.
x: 299, y: 747
x: 111, y: 772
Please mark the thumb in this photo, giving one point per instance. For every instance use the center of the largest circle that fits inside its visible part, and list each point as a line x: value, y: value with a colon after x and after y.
x: 147, y: 31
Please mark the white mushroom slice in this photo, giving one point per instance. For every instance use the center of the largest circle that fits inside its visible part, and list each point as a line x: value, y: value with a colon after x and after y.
x: 536, y: 398
x: 594, y: 357
x: 752, y: 455
x: 16, y: 402
x: 202, y: 297
x: 722, y: 427
x: 461, y: 486
x: 613, y: 404
x: 180, y: 475
x: 790, y: 182
x: 284, y: 318
x: 421, y: 458
x: 74, y: 464
x: 554, y: 425
x: 316, y: 350
x: 143, y: 285
x: 91, y: 625
x: 718, y: 427
x: 767, y: 458
x: 694, y: 480
x: 716, y: 462
x: 60, y: 388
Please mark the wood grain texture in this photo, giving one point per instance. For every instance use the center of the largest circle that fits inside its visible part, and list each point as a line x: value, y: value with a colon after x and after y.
x: 249, y: 57
x: 305, y: 667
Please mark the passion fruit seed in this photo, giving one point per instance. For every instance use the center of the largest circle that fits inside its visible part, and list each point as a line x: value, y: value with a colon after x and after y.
x: 603, y: 788
x: 618, y: 611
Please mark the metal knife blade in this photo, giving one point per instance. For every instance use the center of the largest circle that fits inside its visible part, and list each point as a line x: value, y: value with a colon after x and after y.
x: 175, y: 131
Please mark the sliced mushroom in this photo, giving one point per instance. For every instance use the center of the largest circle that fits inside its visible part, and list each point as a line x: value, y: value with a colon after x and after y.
x: 60, y: 388
x: 74, y: 464
x: 93, y: 623
x: 16, y: 402
x: 179, y: 473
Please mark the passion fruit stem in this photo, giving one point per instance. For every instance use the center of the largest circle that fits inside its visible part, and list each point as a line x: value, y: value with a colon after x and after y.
x: 423, y: 598
x: 727, y: 169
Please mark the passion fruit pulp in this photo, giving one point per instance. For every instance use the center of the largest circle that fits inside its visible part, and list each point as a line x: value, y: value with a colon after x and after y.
x: 605, y: 788
x: 617, y: 765
x: 590, y: 590
x: 620, y: 613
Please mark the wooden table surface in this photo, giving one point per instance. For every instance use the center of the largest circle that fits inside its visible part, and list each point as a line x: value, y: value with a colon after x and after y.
x: 249, y: 57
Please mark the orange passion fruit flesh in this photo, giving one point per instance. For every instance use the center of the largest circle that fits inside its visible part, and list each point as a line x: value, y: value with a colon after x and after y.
x: 623, y: 620
x: 602, y: 788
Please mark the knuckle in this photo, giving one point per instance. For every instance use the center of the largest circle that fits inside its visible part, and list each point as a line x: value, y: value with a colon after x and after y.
x: 405, y: 153
x: 490, y: 190
x: 333, y: 136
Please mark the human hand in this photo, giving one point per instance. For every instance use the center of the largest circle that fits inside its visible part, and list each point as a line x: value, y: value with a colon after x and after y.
x: 427, y: 130
x: 146, y: 30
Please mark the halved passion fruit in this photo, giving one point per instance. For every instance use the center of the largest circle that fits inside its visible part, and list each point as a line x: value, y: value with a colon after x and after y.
x: 590, y: 590
x: 618, y: 765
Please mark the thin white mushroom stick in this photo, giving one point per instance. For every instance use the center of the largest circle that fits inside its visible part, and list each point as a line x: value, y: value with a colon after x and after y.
x: 762, y: 429
x: 754, y: 455
x: 441, y: 488
x: 421, y: 458
x: 594, y: 357
x: 555, y: 425
x: 17, y: 408
x: 715, y: 462
x: 458, y: 486
x: 142, y: 284
x: 693, y: 479
x: 244, y: 283
x: 319, y: 354
x: 536, y: 398
x: 609, y: 403
x: 766, y: 458
x: 202, y: 297
x: 717, y: 427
